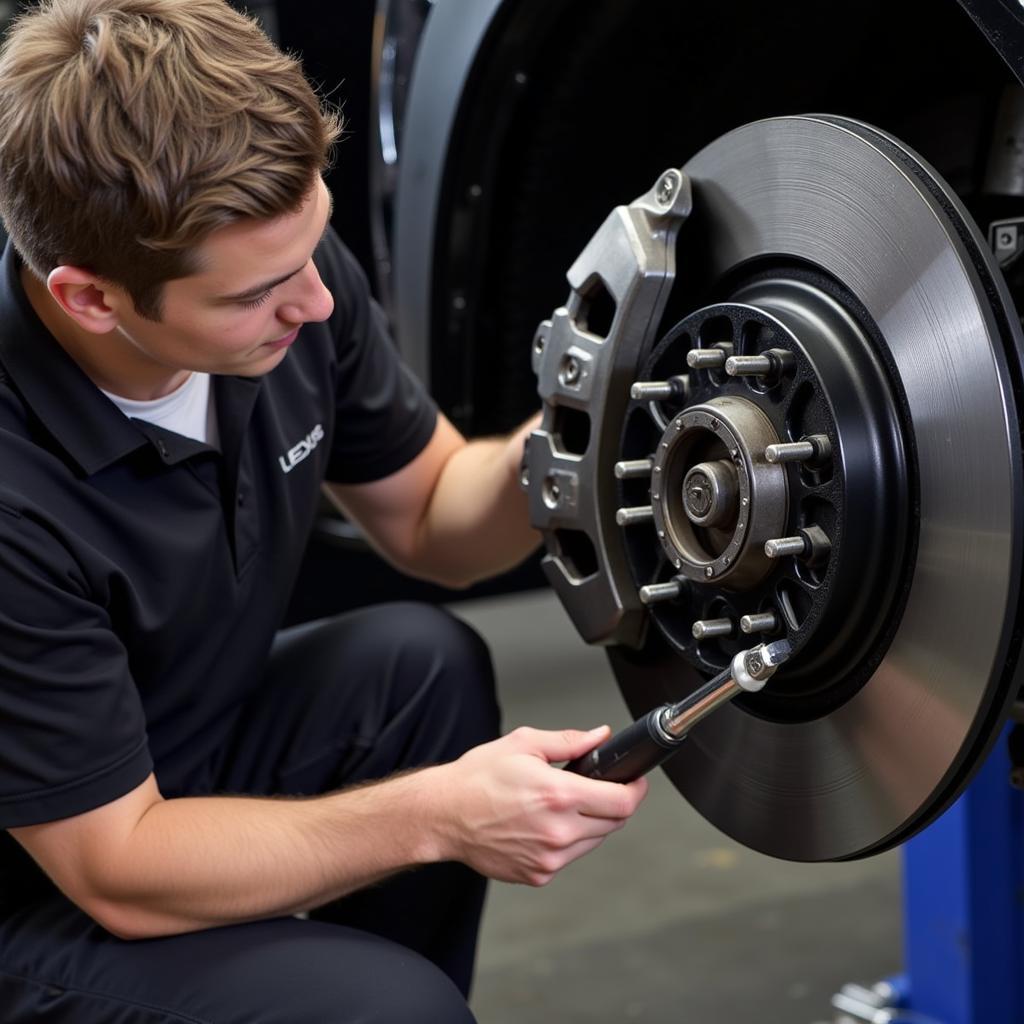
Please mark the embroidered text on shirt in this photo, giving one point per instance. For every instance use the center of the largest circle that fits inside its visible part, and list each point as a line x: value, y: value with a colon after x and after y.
x: 296, y: 454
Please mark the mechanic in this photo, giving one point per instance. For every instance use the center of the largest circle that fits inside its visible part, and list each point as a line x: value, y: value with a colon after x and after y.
x: 297, y: 823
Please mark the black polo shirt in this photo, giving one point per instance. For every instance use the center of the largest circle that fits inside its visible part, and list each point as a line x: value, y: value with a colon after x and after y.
x: 143, y: 574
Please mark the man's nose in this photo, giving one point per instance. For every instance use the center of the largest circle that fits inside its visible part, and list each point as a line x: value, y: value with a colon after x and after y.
x: 310, y: 302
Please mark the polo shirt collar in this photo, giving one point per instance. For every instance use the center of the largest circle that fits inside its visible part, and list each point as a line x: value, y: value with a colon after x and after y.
x: 90, y: 428
x: 83, y: 421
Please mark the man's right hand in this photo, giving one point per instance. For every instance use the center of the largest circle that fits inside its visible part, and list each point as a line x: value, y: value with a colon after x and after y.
x: 144, y: 867
x: 504, y: 810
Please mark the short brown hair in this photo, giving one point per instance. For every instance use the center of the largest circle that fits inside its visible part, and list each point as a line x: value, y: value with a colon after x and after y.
x: 131, y: 129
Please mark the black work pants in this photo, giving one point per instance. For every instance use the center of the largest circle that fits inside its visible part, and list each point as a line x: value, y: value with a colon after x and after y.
x: 345, y: 700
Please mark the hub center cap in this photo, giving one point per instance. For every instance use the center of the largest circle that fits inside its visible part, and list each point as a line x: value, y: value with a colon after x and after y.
x: 711, y: 493
x: 716, y: 501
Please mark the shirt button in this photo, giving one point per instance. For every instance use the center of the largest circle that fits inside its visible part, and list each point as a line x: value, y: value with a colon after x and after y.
x: 163, y: 448
x: 241, y: 498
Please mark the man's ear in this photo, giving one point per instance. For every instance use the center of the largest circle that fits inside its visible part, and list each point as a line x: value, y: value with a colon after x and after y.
x: 89, y: 300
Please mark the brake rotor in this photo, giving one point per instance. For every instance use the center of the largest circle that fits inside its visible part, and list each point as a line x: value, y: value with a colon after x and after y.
x: 826, y: 449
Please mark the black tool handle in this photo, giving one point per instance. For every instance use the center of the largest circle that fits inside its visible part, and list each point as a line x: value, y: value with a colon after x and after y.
x: 635, y: 751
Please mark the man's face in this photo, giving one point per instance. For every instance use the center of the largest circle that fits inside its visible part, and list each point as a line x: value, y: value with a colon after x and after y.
x: 242, y: 310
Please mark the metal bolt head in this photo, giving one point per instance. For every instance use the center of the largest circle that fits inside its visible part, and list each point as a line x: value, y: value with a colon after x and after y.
x: 698, y: 495
x: 709, y: 571
x: 665, y: 190
x: 551, y: 492
x: 570, y: 371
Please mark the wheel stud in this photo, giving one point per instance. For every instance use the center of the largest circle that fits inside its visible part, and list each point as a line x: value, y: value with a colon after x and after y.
x: 704, y: 629
x: 659, y: 390
x: 630, y: 516
x: 762, y: 622
x: 633, y: 469
x: 811, y: 544
x: 709, y: 358
x: 655, y: 592
x: 772, y: 364
x: 780, y: 547
x: 813, y: 449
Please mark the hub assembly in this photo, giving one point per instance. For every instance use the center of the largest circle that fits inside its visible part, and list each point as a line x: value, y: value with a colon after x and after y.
x: 825, y: 450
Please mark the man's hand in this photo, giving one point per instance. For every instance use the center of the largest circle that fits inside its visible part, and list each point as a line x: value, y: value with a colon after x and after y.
x: 143, y: 866
x: 514, y: 817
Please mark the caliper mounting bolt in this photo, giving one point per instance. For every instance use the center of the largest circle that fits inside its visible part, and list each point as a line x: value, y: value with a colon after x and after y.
x: 666, y: 188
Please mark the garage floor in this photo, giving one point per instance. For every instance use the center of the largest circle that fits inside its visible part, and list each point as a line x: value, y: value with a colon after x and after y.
x: 669, y: 920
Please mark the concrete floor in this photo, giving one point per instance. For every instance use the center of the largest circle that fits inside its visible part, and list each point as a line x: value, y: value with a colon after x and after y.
x: 668, y: 920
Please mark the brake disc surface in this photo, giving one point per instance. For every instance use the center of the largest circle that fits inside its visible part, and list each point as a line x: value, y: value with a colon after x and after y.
x: 826, y: 448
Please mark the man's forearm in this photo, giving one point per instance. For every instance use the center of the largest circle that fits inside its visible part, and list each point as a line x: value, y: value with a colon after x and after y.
x: 199, y: 862
x: 477, y: 524
x: 143, y: 866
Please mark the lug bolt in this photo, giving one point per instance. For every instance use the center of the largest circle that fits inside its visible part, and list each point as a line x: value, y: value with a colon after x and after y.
x: 815, y: 448
x: 762, y: 622
x: 630, y: 516
x: 658, y: 390
x: 633, y: 469
x: 655, y: 592
x: 704, y: 629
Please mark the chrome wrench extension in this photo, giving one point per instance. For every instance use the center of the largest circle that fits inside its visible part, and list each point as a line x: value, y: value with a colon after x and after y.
x: 651, y: 740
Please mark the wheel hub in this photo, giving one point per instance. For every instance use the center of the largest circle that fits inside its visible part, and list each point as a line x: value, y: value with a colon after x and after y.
x: 716, y: 500
x: 788, y: 423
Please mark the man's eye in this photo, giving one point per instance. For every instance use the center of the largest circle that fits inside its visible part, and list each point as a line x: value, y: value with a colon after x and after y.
x: 258, y: 301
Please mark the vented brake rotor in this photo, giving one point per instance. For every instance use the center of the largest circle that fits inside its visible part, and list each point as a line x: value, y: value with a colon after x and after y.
x: 826, y: 449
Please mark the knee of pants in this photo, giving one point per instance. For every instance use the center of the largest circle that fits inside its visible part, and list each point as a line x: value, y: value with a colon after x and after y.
x: 280, y: 971
x: 356, y: 976
x: 456, y: 662
x: 396, y: 987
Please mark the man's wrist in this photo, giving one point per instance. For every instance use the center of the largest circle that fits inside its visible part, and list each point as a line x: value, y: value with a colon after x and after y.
x: 418, y: 800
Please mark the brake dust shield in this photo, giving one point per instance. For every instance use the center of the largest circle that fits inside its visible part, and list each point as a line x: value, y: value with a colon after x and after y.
x: 809, y: 432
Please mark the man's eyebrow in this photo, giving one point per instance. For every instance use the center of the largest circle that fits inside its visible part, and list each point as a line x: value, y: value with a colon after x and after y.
x: 251, y: 293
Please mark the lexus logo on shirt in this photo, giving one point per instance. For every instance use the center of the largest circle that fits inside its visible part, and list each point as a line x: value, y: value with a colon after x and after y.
x: 302, y: 450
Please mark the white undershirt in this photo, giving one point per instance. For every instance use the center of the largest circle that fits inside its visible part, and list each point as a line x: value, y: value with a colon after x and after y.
x: 188, y: 410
